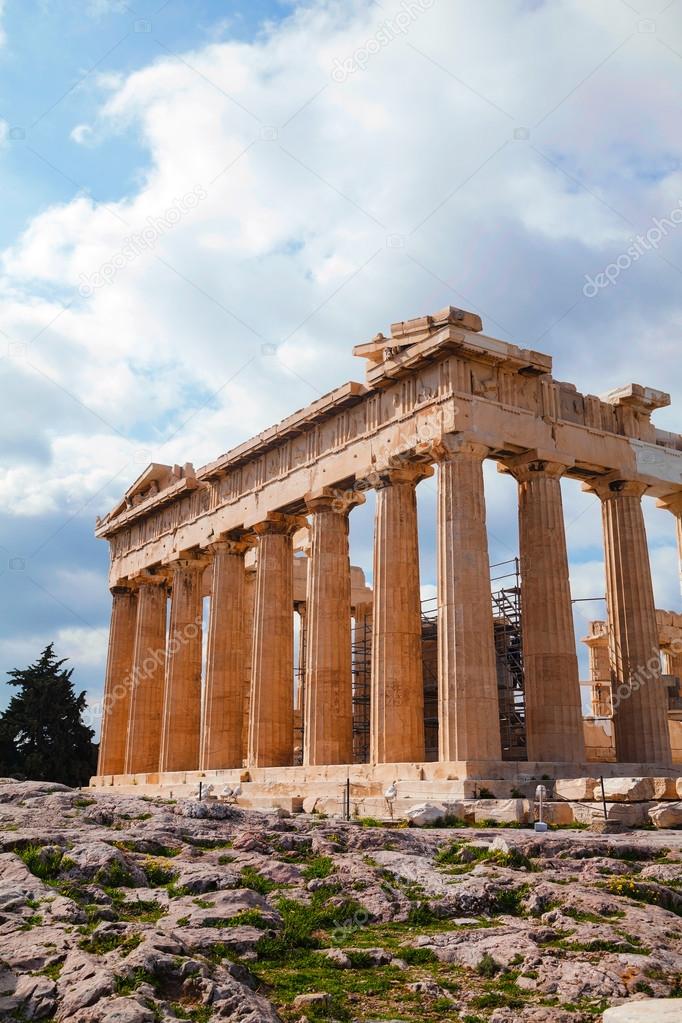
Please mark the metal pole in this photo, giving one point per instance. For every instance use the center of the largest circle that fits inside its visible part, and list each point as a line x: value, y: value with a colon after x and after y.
x: 348, y: 798
x: 200, y: 790
x: 603, y: 795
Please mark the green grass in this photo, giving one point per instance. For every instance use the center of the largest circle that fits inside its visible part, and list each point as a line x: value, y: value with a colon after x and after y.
x: 246, y: 918
x: 100, y: 944
x: 319, y: 867
x: 158, y: 874
x: 42, y: 864
x: 115, y: 875
x: 126, y: 985
x: 147, y: 911
x: 466, y: 856
x: 302, y: 922
x: 250, y: 878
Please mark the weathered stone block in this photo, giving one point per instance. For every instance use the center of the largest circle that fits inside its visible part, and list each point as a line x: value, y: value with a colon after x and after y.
x: 424, y: 814
x: 628, y: 790
x: 575, y: 788
x: 666, y: 815
x: 502, y: 811
x: 558, y: 813
x: 646, y: 1010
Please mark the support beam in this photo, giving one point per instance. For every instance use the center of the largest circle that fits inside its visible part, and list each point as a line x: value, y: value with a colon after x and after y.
x: 468, y: 713
x: 328, y: 705
x: 149, y: 659
x: 271, y: 719
x: 223, y: 704
x: 118, y: 682
x: 639, y: 698
x: 554, y: 723
x: 182, y: 693
x: 397, y: 696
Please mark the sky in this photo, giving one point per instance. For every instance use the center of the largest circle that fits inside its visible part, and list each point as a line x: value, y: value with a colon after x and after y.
x: 206, y: 205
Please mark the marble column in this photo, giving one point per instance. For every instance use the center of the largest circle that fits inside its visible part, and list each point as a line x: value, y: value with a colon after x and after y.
x: 328, y: 706
x: 673, y: 503
x: 223, y: 703
x: 554, y: 722
x: 397, y: 691
x: 143, y: 745
x: 271, y: 719
x: 247, y: 631
x: 118, y: 681
x: 182, y: 695
x: 639, y: 697
x: 468, y: 711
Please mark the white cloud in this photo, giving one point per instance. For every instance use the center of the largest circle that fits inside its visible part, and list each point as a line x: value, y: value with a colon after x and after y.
x: 82, y: 134
x: 309, y: 181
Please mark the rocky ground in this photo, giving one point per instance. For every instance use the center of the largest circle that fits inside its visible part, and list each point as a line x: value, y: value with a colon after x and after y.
x: 115, y: 909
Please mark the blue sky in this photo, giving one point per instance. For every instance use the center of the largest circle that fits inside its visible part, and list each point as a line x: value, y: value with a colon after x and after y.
x: 356, y: 163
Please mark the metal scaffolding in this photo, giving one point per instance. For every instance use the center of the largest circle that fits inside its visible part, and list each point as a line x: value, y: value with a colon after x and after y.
x: 508, y: 636
x: 508, y: 633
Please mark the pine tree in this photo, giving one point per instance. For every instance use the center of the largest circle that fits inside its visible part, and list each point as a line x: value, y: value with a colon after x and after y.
x: 42, y: 735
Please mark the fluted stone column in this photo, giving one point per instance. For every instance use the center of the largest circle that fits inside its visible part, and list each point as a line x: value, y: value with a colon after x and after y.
x: 143, y: 745
x: 673, y: 503
x: 468, y: 711
x: 223, y: 704
x: 639, y: 697
x: 182, y: 696
x: 397, y: 694
x: 554, y: 722
x: 271, y: 719
x: 328, y: 707
x: 247, y: 630
x: 118, y: 681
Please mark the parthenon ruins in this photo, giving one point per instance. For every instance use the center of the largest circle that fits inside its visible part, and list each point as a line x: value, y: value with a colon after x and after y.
x: 483, y: 687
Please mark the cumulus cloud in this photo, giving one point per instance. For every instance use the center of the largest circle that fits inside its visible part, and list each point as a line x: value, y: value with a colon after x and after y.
x: 489, y: 156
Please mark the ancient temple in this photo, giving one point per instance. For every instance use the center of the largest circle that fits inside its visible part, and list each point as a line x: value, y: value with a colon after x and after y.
x: 262, y: 532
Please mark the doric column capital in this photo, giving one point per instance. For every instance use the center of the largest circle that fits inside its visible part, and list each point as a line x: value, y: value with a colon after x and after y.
x: 279, y: 524
x: 157, y: 577
x: 457, y: 445
x: 122, y: 590
x: 230, y: 545
x: 671, y: 502
x: 333, y: 499
x: 613, y: 485
x: 188, y: 563
x: 530, y: 464
x: 396, y: 472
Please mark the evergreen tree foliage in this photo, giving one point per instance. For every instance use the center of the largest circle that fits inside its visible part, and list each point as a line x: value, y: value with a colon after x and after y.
x: 42, y: 734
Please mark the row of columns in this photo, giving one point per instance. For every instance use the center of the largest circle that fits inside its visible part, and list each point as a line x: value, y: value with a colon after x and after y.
x: 161, y: 709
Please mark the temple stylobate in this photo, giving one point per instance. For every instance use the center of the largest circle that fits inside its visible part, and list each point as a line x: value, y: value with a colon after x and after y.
x: 305, y: 670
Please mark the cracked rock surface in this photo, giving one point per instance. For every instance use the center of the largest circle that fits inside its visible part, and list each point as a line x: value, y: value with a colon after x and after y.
x: 120, y: 909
